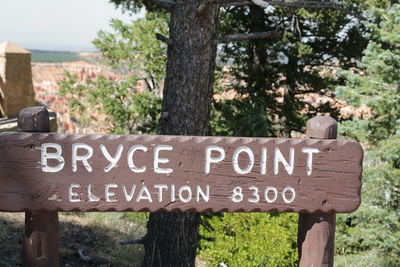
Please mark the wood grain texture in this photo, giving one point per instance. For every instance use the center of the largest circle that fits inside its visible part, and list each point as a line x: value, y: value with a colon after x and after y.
x: 316, y: 239
x: 317, y: 248
x: 333, y: 186
x: 40, y: 246
x: 34, y: 119
x: 316, y: 232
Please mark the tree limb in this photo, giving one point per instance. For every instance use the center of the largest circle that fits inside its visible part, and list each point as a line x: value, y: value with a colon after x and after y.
x: 295, y: 5
x: 132, y: 241
x: 147, y: 83
x: 83, y: 256
x: 166, y: 4
x: 164, y: 39
x: 247, y: 36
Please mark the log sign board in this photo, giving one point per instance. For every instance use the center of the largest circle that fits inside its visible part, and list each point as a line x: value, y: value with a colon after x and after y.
x: 59, y: 172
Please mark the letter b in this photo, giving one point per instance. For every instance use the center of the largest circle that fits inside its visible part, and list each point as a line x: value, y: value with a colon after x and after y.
x: 56, y: 155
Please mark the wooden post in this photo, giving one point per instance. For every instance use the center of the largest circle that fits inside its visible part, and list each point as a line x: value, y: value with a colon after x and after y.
x: 40, y: 247
x: 316, y: 232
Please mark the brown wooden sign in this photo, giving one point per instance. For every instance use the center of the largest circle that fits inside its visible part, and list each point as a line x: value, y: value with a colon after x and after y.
x: 59, y: 172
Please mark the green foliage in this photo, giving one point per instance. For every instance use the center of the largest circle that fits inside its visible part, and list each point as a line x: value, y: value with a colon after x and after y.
x: 271, y: 79
x: 126, y: 109
x: 139, y: 218
x: 376, y: 83
x: 132, y: 6
x: 274, y: 76
x: 256, y: 239
x: 374, y: 230
x: 313, y: 43
x: 134, y: 47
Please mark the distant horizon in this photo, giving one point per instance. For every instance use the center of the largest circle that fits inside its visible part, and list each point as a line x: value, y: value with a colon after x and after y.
x: 65, y: 49
x: 63, y: 25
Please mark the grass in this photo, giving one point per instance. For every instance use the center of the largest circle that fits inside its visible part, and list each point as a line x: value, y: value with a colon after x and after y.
x: 97, y: 235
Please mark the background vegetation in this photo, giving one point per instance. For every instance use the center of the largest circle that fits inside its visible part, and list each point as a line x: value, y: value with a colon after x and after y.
x: 321, y: 52
x: 54, y: 56
x: 371, y: 234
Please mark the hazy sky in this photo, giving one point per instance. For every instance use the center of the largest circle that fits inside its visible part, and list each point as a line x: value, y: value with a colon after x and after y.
x: 55, y: 24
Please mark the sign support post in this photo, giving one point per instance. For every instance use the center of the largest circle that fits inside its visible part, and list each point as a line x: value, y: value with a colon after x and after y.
x: 43, y: 173
x: 40, y: 246
x: 316, y: 232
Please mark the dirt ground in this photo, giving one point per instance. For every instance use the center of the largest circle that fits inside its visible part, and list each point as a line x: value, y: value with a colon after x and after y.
x: 95, y: 235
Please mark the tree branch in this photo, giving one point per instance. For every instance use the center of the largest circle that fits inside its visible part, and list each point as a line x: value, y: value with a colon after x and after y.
x: 247, y: 36
x: 132, y: 241
x: 166, y: 4
x: 164, y: 39
x: 147, y: 83
x: 295, y: 5
x: 83, y: 256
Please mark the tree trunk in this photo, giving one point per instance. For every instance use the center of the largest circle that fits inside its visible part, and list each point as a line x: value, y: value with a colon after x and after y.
x: 172, y: 238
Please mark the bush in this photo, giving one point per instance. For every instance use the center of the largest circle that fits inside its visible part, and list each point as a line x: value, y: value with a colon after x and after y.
x: 249, y: 239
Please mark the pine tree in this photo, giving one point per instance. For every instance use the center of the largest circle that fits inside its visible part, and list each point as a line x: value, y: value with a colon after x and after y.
x: 192, y: 47
x: 370, y: 236
x: 274, y: 76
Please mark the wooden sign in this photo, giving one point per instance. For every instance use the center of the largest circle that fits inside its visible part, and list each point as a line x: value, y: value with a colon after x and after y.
x: 59, y: 172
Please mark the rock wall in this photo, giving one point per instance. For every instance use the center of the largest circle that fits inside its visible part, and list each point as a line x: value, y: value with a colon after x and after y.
x: 15, y: 79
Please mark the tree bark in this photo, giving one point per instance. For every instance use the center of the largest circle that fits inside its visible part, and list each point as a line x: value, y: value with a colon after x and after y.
x: 172, y: 238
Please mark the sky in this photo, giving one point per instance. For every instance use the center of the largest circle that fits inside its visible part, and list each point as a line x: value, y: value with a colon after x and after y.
x: 56, y: 24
